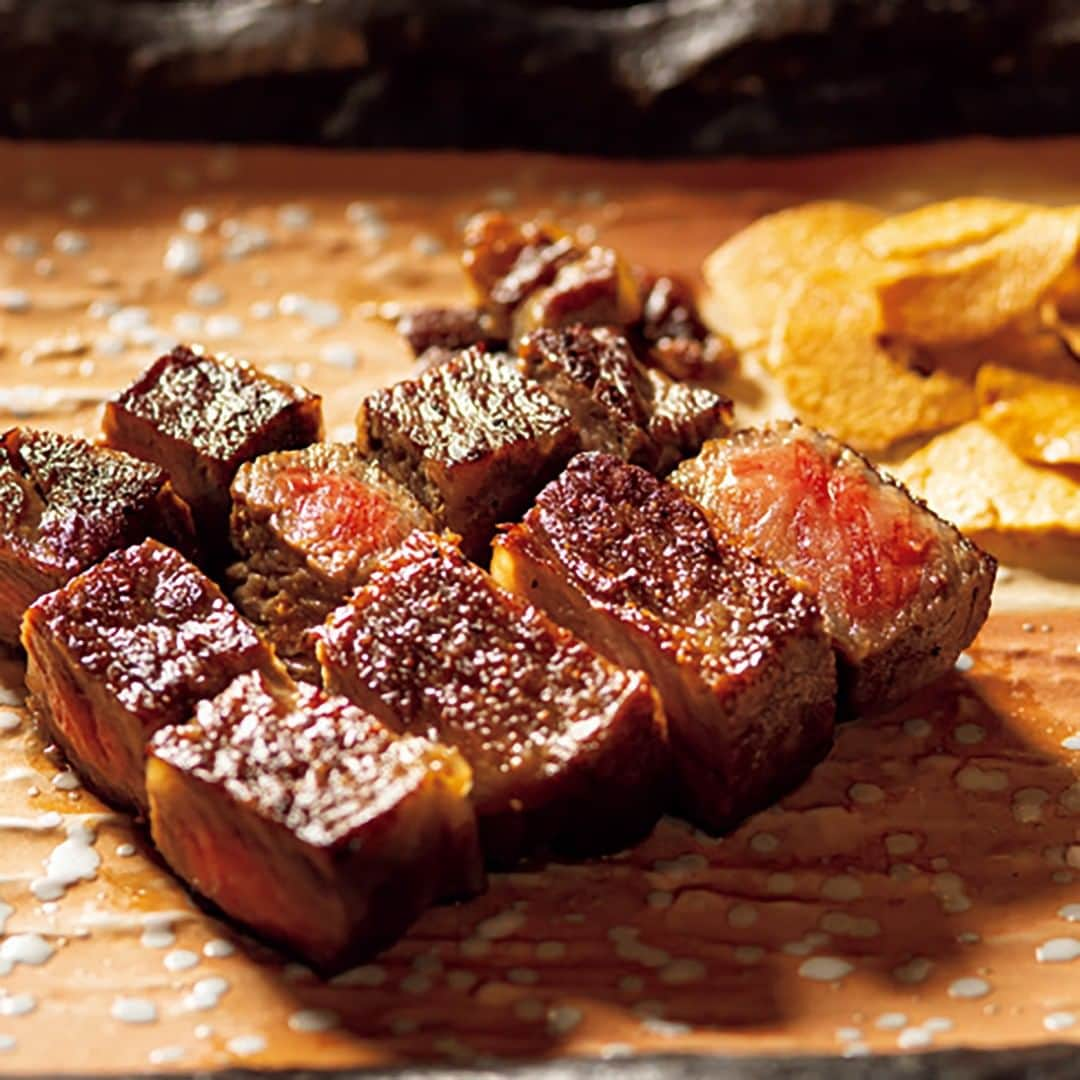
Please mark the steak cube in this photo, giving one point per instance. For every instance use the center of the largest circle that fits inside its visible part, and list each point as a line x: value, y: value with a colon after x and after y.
x: 597, y: 289
x: 742, y: 664
x: 65, y: 504
x: 132, y: 644
x: 201, y: 417
x: 682, y: 417
x: 902, y: 592
x: 471, y: 438
x: 567, y: 751
x: 302, y: 817
x: 619, y: 406
x: 308, y: 524
x: 592, y: 372
x: 505, y: 262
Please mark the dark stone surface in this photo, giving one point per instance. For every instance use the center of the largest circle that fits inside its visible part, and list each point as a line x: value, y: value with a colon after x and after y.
x: 665, y: 77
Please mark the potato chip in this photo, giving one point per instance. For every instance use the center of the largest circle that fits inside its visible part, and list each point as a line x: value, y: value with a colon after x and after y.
x: 749, y: 274
x: 1038, y: 418
x: 975, y: 292
x: 1025, y: 344
x: 943, y: 226
x: 837, y: 375
x: 972, y: 478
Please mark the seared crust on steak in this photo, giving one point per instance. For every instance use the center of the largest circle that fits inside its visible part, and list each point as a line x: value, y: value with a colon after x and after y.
x: 125, y: 648
x: 471, y: 438
x: 302, y: 817
x: 200, y: 417
x: 619, y: 406
x: 567, y: 750
x: 902, y: 591
x: 308, y: 526
x: 742, y: 664
x: 65, y: 504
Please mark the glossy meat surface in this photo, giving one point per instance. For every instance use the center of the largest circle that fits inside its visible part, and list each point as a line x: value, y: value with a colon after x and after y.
x: 902, y: 591
x: 200, y: 417
x: 682, y: 417
x: 618, y: 405
x: 471, y: 438
x: 593, y: 373
x: 505, y: 261
x: 127, y: 647
x: 303, y: 817
x: 65, y: 504
x: 308, y: 524
x: 565, y: 748
x: 742, y: 664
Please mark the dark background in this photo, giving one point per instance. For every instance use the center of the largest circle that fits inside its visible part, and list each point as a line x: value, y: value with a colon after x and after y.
x: 661, y: 78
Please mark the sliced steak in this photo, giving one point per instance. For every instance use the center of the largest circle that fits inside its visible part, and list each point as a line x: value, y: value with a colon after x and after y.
x: 901, y: 590
x: 64, y: 505
x: 471, y: 438
x: 303, y: 818
x: 200, y: 418
x: 308, y: 525
x: 619, y: 406
x: 740, y: 658
x: 567, y: 750
x: 130, y: 645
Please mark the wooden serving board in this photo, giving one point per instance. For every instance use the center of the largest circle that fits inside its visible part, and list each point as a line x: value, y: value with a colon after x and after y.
x: 920, y: 891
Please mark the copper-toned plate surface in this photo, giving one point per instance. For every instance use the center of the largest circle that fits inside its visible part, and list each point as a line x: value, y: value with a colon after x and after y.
x: 917, y: 892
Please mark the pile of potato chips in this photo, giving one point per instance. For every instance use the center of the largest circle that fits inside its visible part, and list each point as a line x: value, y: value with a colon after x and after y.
x: 961, y: 315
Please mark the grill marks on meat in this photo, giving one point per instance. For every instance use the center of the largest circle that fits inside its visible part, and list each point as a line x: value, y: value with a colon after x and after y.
x: 65, y: 504
x: 471, y: 438
x: 304, y: 818
x: 902, y: 591
x: 619, y: 406
x: 125, y: 648
x: 567, y: 750
x: 740, y: 659
x: 201, y: 417
x: 308, y: 525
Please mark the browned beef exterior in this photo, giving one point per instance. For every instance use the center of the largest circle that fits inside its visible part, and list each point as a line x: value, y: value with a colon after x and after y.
x: 308, y: 525
x: 303, y: 818
x: 130, y: 645
x: 901, y: 590
x: 740, y: 658
x: 597, y: 289
x: 505, y: 262
x: 567, y: 750
x: 619, y: 406
x: 446, y: 328
x: 671, y: 335
x: 200, y: 418
x: 65, y: 504
x: 471, y: 438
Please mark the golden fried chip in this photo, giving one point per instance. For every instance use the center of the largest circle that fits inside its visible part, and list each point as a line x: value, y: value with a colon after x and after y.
x: 975, y: 292
x: 1025, y: 344
x: 748, y: 275
x: 1038, y: 418
x: 943, y: 226
x: 972, y: 478
x: 837, y: 375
